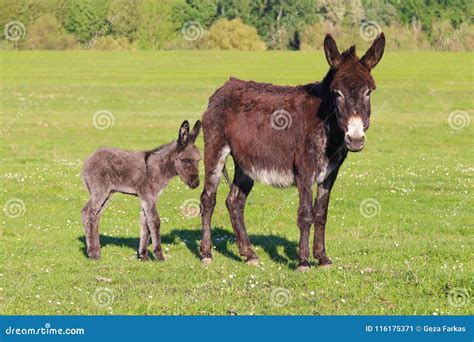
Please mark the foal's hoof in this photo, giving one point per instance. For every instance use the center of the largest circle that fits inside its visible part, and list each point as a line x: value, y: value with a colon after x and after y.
x: 94, y: 256
x: 159, y: 257
x: 143, y: 258
x: 206, y: 261
x: 252, y: 261
x: 325, y: 262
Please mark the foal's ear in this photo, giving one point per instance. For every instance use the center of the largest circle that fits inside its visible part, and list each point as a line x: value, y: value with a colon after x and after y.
x: 374, y: 53
x: 332, y: 53
x: 195, y: 132
x: 183, y: 134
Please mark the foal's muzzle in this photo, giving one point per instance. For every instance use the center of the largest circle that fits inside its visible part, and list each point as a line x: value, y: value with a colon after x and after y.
x: 194, y: 182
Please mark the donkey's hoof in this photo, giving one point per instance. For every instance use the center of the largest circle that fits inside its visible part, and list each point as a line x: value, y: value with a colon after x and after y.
x: 206, y: 261
x: 252, y: 261
x: 325, y: 262
x: 302, y: 268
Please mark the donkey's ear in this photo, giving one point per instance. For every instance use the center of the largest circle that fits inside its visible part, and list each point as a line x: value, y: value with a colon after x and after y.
x: 374, y: 53
x: 195, y: 132
x: 183, y: 134
x: 332, y: 53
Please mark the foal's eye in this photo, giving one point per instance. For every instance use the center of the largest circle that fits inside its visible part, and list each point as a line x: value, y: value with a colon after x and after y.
x: 187, y: 161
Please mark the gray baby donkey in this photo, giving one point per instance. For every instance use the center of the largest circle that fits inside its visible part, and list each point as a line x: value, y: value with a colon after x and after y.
x: 142, y: 174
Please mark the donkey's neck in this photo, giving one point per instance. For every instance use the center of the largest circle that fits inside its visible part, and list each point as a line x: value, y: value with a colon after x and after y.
x: 160, y: 161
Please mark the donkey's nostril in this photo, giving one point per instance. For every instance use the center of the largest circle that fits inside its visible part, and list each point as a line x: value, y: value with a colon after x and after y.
x: 354, y: 143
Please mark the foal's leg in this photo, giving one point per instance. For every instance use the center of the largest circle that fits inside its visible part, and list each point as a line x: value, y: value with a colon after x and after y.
x: 153, y: 222
x: 321, y: 204
x: 214, y: 161
x: 241, y: 187
x: 305, y: 219
x: 144, y: 238
x: 90, y: 218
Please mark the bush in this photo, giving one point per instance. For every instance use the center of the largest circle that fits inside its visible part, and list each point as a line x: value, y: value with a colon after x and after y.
x: 112, y: 44
x: 398, y: 37
x: 232, y: 35
x: 446, y: 38
x: 46, y: 34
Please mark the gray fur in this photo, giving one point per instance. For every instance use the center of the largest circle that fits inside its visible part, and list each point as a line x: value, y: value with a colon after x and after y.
x: 144, y: 174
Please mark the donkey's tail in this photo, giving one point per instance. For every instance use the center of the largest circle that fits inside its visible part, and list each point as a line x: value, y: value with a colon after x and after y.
x: 226, y: 175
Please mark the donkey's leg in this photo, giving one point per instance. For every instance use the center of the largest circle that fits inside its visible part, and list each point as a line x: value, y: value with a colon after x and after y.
x: 241, y: 187
x: 305, y: 219
x: 153, y: 222
x: 321, y: 204
x: 214, y: 161
x: 144, y: 238
x: 90, y: 218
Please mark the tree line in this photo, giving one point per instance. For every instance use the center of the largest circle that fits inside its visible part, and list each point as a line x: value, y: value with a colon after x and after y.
x: 233, y: 24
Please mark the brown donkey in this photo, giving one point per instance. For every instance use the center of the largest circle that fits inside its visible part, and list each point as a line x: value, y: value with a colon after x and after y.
x: 142, y: 174
x: 285, y: 136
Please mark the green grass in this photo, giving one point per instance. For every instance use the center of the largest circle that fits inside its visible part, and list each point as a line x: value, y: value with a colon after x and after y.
x: 405, y: 260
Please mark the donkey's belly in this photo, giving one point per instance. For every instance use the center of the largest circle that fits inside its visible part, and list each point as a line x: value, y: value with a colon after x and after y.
x: 274, y: 177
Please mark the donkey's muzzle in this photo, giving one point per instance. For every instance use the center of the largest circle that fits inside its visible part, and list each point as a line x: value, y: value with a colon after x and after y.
x: 354, y: 144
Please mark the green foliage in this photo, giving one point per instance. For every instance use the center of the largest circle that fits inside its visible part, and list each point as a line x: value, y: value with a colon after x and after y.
x: 156, y: 25
x: 233, y: 35
x: 123, y: 16
x: 85, y: 18
x: 46, y: 33
x: 281, y: 24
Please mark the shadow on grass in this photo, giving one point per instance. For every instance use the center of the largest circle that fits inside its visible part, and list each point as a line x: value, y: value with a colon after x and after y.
x: 221, y: 239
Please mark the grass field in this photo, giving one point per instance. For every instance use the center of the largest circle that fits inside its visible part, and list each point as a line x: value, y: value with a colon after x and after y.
x: 414, y: 256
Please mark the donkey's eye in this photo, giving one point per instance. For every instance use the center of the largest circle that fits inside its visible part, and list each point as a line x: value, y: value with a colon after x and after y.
x: 368, y: 92
x: 338, y: 94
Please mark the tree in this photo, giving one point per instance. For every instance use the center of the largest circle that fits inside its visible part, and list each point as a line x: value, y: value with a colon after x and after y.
x: 123, y: 16
x: 46, y: 33
x: 86, y: 18
x: 156, y: 24
x: 233, y: 35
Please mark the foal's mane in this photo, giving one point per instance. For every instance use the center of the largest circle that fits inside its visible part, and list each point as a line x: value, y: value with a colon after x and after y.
x: 156, y: 150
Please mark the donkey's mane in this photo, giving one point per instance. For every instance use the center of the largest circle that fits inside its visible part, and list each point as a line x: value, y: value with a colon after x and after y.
x: 350, y: 52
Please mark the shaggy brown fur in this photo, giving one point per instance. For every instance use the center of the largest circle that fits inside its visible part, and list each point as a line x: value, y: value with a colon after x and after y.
x: 285, y: 136
x: 142, y: 174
